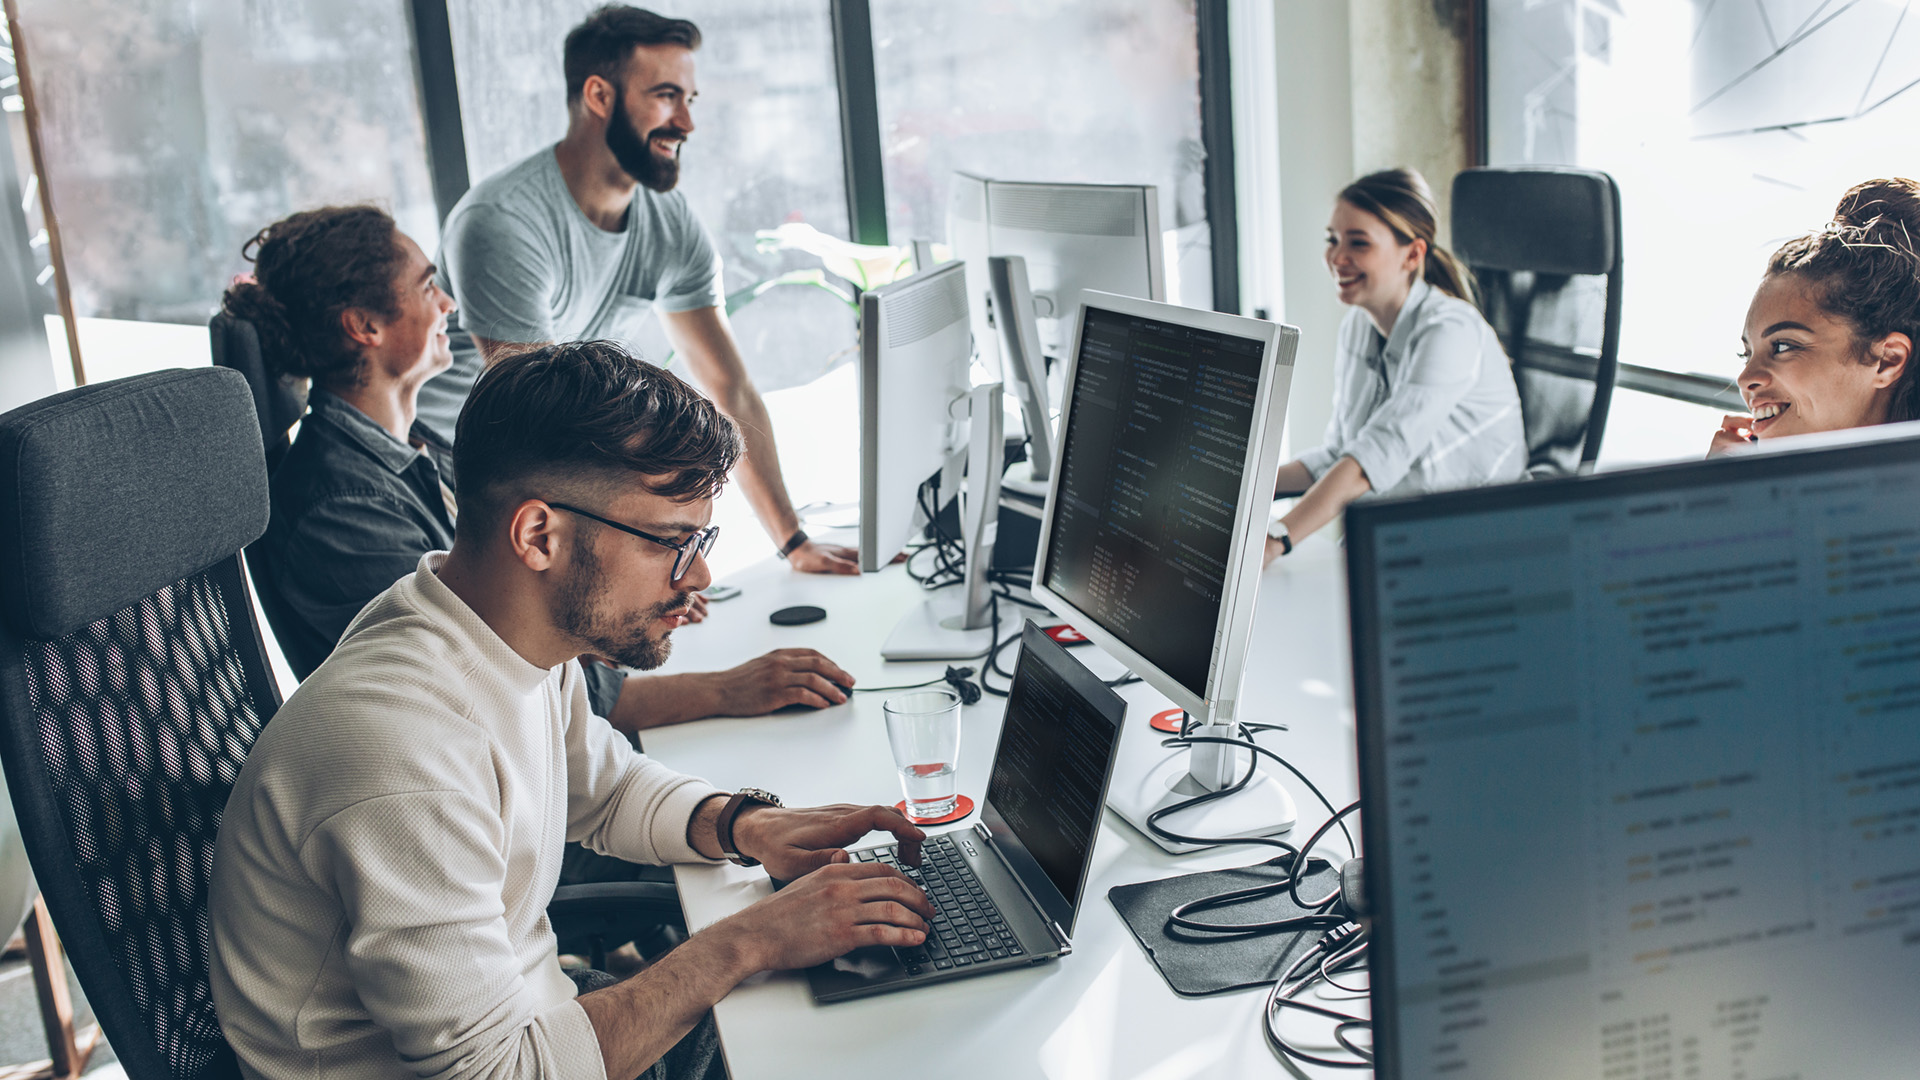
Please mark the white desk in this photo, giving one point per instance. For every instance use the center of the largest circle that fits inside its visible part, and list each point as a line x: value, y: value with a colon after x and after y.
x: 1101, y: 1012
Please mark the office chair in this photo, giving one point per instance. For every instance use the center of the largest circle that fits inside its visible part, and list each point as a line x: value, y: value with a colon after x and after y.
x: 280, y: 402
x: 1544, y: 244
x: 133, y: 682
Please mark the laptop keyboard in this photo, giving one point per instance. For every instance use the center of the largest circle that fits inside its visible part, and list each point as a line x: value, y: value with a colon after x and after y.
x: 967, y: 928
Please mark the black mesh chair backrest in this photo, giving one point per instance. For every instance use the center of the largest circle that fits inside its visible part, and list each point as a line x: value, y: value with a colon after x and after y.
x: 1544, y: 245
x: 278, y: 402
x: 133, y: 682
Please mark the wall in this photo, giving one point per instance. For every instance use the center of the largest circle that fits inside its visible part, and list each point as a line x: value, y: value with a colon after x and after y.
x: 1316, y: 161
x: 1409, y: 64
x: 1362, y: 85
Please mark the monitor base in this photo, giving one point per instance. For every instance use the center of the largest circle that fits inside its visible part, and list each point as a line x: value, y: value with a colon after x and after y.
x: 1019, y: 478
x: 933, y: 631
x: 1262, y: 808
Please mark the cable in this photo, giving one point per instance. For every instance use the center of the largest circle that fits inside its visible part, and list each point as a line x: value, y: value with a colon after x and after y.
x: 1337, y: 949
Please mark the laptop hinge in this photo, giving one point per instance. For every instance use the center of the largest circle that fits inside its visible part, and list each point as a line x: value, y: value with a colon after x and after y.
x: 1059, y: 935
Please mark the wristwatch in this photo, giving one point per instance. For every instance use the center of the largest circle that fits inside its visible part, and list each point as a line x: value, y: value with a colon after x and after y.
x: 723, y: 825
x: 793, y: 542
x: 1277, y: 530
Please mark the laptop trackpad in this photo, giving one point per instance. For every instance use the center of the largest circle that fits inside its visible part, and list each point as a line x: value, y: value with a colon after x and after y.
x: 871, y: 962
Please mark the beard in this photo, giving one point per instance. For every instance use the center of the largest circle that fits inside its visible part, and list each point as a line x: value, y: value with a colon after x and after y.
x: 619, y: 636
x: 635, y: 154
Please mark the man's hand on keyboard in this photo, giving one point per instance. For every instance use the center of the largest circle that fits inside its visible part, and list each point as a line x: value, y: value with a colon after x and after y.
x: 795, y: 842
x: 827, y: 914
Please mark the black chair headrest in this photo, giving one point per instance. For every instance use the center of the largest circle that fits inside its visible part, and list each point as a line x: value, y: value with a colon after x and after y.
x: 279, y: 402
x: 1544, y: 219
x: 110, y: 492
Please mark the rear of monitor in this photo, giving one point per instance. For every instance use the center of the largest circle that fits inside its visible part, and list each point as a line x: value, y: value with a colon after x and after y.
x: 1262, y: 807
x: 1031, y: 250
x: 919, y: 419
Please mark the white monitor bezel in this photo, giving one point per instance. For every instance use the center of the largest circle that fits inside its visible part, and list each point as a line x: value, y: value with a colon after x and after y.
x: 1234, y: 626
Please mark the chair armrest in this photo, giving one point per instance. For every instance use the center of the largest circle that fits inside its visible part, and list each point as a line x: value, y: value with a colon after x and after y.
x: 626, y: 899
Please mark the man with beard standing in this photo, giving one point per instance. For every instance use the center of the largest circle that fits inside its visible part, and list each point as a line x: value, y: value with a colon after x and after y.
x: 385, y: 860
x: 587, y: 238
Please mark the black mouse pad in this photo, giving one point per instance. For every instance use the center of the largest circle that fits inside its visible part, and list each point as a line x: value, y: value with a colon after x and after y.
x: 1197, y: 962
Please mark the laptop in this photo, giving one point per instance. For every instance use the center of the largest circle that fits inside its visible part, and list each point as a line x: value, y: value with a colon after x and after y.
x: 1008, y: 889
x: 1640, y: 769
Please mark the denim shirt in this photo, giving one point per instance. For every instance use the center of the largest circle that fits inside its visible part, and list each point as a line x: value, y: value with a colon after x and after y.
x: 354, y: 509
x: 1430, y: 407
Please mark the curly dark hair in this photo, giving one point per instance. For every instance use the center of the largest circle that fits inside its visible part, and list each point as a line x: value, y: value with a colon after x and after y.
x: 583, y: 420
x: 308, y: 269
x: 602, y: 44
x: 1864, y: 267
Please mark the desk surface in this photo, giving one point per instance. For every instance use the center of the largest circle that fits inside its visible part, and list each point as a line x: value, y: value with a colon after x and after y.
x: 1101, y: 1012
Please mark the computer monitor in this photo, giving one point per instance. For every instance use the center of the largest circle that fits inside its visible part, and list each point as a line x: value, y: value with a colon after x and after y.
x: 1151, y: 540
x: 1640, y: 771
x: 920, y: 423
x: 1031, y: 249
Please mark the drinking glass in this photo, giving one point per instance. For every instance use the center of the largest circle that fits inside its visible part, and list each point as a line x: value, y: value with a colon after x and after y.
x: 924, y: 728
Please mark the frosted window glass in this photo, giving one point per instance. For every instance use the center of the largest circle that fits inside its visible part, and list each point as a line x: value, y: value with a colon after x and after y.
x: 765, y: 149
x: 1104, y: 92
x: 1730, y: 127
x: 175, y: 129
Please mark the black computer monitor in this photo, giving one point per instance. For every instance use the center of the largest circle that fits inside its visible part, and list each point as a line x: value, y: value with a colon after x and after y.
x: 1640, y: 763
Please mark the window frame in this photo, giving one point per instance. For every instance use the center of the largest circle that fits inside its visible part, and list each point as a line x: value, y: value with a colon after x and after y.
x: 852, y: 22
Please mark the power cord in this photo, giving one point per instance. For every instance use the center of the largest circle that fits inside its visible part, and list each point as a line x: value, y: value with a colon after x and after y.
x: 1338, y: 949
x: 960, y: 678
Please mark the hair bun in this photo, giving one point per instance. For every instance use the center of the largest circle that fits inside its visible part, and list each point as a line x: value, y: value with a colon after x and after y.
x: 1890, y: 204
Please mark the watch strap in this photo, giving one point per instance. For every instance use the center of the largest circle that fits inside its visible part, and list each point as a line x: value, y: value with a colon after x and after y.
x: 793, y: 542
x: 723, y: 825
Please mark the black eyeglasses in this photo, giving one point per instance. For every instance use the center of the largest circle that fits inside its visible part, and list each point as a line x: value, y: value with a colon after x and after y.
x: 683, y: 550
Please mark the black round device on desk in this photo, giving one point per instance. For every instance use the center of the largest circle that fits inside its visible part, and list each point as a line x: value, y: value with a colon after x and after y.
x: 800, y: 615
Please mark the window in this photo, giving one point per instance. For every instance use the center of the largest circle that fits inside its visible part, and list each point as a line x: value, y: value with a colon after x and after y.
x: 1730, y: 127
x: 765, y: 150
x: 1100, y: 92
x: 175, y: 129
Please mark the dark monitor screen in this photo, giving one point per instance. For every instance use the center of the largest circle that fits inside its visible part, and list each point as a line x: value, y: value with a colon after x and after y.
x: 1151, y: 461
x: 1641, y: 770
x: 1057, y: 746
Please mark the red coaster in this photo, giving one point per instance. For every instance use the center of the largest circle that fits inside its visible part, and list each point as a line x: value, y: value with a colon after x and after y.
x: 1168, y: 721
x: 1065, y: 635
x: 960, y: 809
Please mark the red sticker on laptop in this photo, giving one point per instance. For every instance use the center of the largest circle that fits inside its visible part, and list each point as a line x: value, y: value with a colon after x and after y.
x: 1065, y: 635
x: 1167, y: 721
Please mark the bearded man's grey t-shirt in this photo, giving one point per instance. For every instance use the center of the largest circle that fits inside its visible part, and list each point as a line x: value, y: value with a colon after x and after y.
x: 526, y: 265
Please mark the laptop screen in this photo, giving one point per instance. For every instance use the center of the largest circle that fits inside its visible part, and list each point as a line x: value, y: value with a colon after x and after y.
x: 1641, y: 770
x: 1057, y: 747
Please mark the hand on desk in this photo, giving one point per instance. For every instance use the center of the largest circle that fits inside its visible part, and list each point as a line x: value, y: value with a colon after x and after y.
x: 792, y: 843
x: 814, y: 557
x: 780, y: 678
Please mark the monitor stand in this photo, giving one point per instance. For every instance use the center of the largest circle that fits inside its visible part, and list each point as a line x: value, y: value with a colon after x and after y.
x: 1262, y: 808
x: 957, y: 624
x: 1020, y: 479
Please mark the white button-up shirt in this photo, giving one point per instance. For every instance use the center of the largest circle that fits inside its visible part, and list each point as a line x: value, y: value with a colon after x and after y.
x: 1430, y: 407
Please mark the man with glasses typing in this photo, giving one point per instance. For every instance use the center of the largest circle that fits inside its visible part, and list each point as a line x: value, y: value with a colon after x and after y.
x: 387, y: 855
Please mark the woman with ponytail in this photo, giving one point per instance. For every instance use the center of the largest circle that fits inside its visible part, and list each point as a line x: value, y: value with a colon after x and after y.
x: 1424, y: 397
x: 1830, y: 335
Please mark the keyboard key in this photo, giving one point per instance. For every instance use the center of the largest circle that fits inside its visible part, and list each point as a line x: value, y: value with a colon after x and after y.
x: 962, y: 961
x: 914, y: 969
x: 1014, y: 949
x: 998, y: 954
x: 943, y: 965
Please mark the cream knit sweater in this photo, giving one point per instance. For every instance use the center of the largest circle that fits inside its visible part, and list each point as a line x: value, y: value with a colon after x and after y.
x: 384, y: 865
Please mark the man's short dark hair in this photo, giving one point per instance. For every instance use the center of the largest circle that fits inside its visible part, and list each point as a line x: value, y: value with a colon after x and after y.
x: 601, y: 45
x: 583, y: 421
